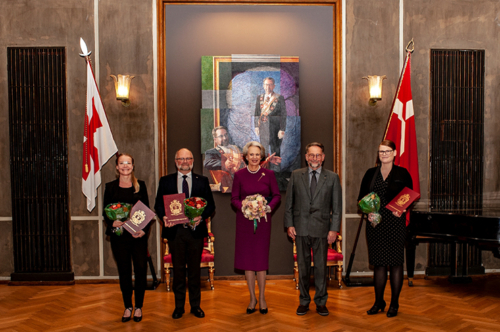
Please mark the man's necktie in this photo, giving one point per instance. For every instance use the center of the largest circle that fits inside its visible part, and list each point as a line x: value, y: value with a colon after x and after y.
x: 314, y: 182
x: 185, y: 186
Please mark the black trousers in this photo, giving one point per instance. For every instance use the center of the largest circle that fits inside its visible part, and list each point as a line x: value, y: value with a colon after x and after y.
x: 126, y: 250
x: 319, y: 248
x: 186, y: 250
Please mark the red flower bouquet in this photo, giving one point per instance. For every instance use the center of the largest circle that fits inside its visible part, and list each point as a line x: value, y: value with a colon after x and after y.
x: 118, y: 211
x: 194, y: 207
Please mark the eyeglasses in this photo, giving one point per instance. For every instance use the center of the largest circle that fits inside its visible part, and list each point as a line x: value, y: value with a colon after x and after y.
x: 315, y: 156
x: 386, y: 152
x: 183, y: 159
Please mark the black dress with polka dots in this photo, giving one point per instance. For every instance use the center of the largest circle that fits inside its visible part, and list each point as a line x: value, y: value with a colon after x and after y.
x: 386, y: 240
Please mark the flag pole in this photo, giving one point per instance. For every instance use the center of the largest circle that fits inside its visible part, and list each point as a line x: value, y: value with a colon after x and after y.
x: 86, y: 55
x: 410, y: 47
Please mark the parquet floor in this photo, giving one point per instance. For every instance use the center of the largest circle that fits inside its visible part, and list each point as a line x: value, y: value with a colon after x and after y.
x: 431, y: 305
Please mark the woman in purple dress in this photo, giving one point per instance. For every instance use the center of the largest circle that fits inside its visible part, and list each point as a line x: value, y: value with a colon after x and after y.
x: 252, y: 249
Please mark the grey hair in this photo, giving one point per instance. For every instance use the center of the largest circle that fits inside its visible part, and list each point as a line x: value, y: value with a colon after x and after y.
x: 257, y: 144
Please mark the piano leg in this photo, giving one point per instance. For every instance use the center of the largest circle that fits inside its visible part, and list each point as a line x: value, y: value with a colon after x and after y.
x: 455, y: 278
x: 410, y: 258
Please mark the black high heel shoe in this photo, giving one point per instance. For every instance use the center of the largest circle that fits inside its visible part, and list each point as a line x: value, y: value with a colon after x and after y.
x: 263, y: 311
x: 137, y: 319
x: 126, y: 319
x: 376, y: 307
x: 251, y: 310
x: 392, y: 312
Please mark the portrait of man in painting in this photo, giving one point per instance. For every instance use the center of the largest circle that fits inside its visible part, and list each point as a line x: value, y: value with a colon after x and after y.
x: 222, y: 161
x: 254, y: 98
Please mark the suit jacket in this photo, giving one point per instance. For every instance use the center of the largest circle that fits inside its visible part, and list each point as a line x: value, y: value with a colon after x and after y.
x: 399, y: 178
x: 112, y: 194
x: 277, y: 117
x: 200, y: 188
x: 212, y: 160
x: 317, y: 216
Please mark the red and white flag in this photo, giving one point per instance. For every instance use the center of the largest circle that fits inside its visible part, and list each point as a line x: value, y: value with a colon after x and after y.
x: 98, y: 142
x: 401, y: 127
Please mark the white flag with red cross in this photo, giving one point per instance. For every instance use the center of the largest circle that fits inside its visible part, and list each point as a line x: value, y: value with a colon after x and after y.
x: 98, y: 142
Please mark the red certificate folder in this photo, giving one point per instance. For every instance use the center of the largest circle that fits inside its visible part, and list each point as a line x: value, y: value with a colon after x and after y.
x: 174, y: 208
x: 403, y: 200
x: 140, y: 216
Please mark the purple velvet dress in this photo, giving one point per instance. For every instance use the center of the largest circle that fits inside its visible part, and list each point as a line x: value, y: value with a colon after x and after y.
x: 252, y: 250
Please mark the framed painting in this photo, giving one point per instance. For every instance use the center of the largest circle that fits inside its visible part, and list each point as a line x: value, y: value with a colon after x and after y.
x: 247, y: 98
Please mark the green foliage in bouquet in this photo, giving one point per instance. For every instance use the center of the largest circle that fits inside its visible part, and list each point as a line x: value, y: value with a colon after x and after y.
x: 118, y: 211
x: 371, y: 204
x: 194, y: 207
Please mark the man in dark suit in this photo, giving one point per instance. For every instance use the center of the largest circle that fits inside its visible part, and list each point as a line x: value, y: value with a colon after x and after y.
x: 270, y: 118
x: 222, y: 162
x: 313, y: 211
x: 185, y: 243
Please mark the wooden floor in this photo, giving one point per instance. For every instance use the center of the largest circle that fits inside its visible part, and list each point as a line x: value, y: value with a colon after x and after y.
x: 431, y: 305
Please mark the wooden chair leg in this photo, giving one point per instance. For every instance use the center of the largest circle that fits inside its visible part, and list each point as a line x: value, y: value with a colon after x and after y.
x: 211, y: 270
x: 167, y: 278
x: 296, y: 276
x: 339, y: 275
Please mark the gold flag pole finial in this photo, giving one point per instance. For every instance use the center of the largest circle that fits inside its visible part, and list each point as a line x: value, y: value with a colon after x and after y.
x: 412, y: 45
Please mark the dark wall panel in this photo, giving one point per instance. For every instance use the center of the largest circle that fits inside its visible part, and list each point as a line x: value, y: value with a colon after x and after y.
x: 6, y: 245
x: 194, y: 31
x: 85, y: 246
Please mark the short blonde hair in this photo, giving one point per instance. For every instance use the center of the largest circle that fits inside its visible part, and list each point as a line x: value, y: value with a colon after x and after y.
x: 257, y: 144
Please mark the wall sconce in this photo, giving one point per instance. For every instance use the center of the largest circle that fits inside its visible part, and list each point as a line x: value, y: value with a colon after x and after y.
x: 122, y: 87
x: 375, y: 86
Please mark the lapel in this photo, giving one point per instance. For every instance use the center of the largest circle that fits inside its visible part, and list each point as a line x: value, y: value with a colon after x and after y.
x: 172, y: 184
x: 195, y: 183
x: 305, y: 180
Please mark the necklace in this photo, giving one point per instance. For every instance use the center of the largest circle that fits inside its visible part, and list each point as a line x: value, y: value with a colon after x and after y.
x: 253, y: 172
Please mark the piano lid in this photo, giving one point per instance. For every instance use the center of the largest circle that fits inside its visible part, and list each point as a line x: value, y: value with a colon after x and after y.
x: 484, y: 227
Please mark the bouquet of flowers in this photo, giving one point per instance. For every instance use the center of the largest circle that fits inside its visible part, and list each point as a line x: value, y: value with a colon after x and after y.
x: 255, y: 207
x: 371, y: 204
x: 194, y: 207
x: 118, y: 211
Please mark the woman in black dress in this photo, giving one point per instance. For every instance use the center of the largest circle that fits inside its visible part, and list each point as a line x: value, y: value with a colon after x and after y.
x: 386, y: 240
x: 128, y: 247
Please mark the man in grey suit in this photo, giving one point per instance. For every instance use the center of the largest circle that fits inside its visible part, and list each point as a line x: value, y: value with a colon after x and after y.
x: 313, y: 211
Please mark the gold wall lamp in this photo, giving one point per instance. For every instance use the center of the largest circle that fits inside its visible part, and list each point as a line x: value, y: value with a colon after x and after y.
x: 122, y: 87
x: 375, y: 86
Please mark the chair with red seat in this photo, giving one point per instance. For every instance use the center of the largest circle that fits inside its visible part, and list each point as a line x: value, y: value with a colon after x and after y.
x: 207, y: 257
x: 335, y: 259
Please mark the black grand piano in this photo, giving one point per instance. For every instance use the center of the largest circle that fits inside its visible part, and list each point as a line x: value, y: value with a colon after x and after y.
x: 481, y: 229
